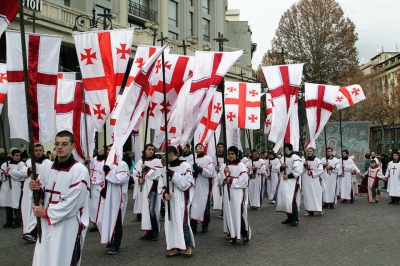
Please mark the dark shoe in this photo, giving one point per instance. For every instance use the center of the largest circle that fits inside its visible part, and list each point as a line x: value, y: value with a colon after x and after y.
x: 390, y: 202
x: 154, y: 237
x: 136, y: 220
x: 204, y: 230
x: 232, y: 242
x: 113, y: 251
x: 245, y: 240
x: 147, y: 236
x: 188, y: 252
x: 325, y: 206
x: 295, y: 223
x: 29, y: 238
x: 93, y: 229
x: 109, y: 246
x: 351, y: 201
x: 332, y: 205
x: 7, y: 225
x: 17, y: 225
x: 287, y: 221
x: 172, y: 253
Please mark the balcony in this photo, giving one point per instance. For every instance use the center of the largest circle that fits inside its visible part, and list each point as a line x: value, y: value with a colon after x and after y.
x: 141, y: 11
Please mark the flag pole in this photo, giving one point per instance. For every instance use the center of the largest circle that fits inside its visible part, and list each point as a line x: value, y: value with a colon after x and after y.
x: 341, y: 142
x: 36, y: 194
x: 5, y: 148
x: 86, y: 132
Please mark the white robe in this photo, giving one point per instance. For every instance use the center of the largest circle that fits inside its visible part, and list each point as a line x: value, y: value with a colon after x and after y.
x: 273, y: 173
x: 142, y: 198
x: 116, y: 200
x: 311, y: 186
x: 217, y: 188
x: 393, y: 175
x: 202, y: 191
x: 181, y: 190
x: 256, y: 185
x: 236, y: 200
x: 29, y: 221
x: 346, y: 180
x: 329, y: 179
x: 9, y: 197
x: 286, y: 191
x: 373, y: 175
x: 66, y: 200
x: 96, y: 185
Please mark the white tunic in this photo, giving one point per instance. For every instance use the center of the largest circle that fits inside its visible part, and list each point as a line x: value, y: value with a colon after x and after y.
x: 9, y: 197
x: 287, y: 188
x: 29, y: 221
x: 66, y: 200
x: 181, y: 191
x: 346, y: 180
x: 273, y: 173
x: 311, y: 185
x: 203, y: 187
x: 329, y: 179
x: 373, y: 175
x: 256, y: 184
x: 393, y: 175
x: 96, y: 185
x: 217, y: 188
x: 236, y: 200
x: 142, y: 198
x: 116, y: 200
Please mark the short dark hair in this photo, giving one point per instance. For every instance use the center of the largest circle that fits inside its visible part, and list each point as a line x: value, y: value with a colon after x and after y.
x: 38, y: 145
x: 15, y: 151
x: 329, y: 148
x: 173, y: 150
x: 66, y: 133
x: 254, y: 150
x: 346, y: 151
x: 220, y: 143
x: 289, y: 146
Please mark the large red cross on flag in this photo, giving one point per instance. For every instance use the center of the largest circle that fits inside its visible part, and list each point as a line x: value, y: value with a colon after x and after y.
x: 103, y: 57
x: 348, y: 96
x: 269, y: 110
x: 43, y: 52
x: 284, y: 83
x: 8, y: 11
x: 242, y: 105
x: 69, y: 105
x: 320, y: 101
x: 3, y: 85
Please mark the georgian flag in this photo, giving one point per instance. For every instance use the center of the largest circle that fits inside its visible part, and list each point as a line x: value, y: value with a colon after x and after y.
x: 8, y: 11
x: 43, y: 52
x: 3, y: 85
x: 269, y: 110
x: 66, y: 75
x: 320, y: 101
x: 284, y: 83
x: 348, y: 96
x: 103, y: 57
x: 70, y: 108
x: 242, y: 105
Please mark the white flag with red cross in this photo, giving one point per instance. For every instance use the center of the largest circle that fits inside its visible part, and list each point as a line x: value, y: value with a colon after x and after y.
x: 66, y: 75
x: 242, y: 105
x: 43, y: 52
x: 233, y: 138
x: 348, y: 96
x: 8, y: 11
x: 3, y: 85
x: 284, y: 83
x: 178, y: 69
x: 210, y: 121
x: 103, y: 58
x: 70, y: 108
x: 133, y: 107
x: 269, y: 110
x: 320, y: 101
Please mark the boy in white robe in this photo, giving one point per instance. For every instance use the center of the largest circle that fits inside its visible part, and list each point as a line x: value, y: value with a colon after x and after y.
x: 346, y: 190
x: 273, y: 173
x: 374, y: 173
x: 217, y: 189
x: 256, y: 171
x: 311, y: 185
x: 330, y: 178
x: 393, y: 177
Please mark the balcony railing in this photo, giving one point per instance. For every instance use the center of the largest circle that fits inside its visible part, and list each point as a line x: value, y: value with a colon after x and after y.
x: 141, y: 11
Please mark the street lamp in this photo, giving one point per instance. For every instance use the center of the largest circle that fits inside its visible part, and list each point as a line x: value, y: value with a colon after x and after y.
x: 93, y: 21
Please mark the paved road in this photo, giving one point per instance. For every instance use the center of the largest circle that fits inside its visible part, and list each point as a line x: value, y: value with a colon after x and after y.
x: 351, y: 234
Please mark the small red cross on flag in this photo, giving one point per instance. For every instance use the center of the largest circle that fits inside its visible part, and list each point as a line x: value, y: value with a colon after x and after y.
x: 3, y: 85
x: 348, y: 96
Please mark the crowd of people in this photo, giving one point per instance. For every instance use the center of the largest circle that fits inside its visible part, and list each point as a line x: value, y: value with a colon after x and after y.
x: 180, y: 189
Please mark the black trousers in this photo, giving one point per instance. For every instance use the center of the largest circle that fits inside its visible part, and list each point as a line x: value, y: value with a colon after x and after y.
x: 294, y: 216
x: 13, y: 215
x: 116, y: 241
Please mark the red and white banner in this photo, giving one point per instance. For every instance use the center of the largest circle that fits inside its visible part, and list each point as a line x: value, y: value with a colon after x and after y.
x: 178, y: 69
x: 3, y: 85
x: 43, y: 52
x: 320, y: 101
x: 8, y: 11
x: 103, y: 57
x: 242, y: 105
x: 284, y: 83
x: 348, y: 96
x: 66, y: 75
x: 134, y: 106
x: 269, y: 110
x: 70, y: 108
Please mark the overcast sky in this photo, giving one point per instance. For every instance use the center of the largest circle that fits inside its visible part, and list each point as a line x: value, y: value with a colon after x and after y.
x: 377, y: 23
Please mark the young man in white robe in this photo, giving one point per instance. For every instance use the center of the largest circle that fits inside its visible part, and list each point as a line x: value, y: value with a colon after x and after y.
x: 311, y: 184
x: 203, y: 174
x: 64, y: 188
x: 146, y: 175
x: 29, y: 221
x: 373, y: 173
x: 177, y: 187
x: 187, y: 154
x: 96, y: 185
x: 273, y: 174
x: 217, y: 188
x: 346, y: 189
x: 332, y: 169
x: 292, y: 167
x: 393, y: 177
x: 234, y: 175
x: 12, y: 175
x: 256, y: 168
x: 113, y: 202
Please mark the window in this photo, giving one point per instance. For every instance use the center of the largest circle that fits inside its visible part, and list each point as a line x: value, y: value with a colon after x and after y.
x: 206, y: 30
x: 172, y: 36
x: 190, y: 24
x: 190, y: 2
x: 173, y: 13
x: 134, y: 24
x: 206, y: 6
x: 144, y: 3
x: 64, y: 2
